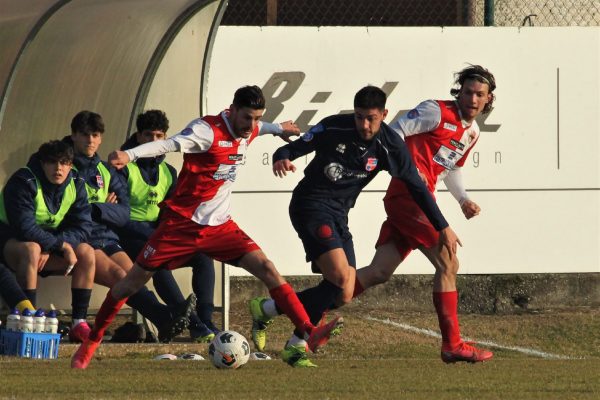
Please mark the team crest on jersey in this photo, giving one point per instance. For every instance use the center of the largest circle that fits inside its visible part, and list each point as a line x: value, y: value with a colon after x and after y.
x: 307, y: 137
x: 225, y: 143
x: 412, y: 114
x: 371, y: 164
x: 341, y: 148
x: 236, y: 157
x: 449, y: 126
x: 100, y: 181
x: 187, y: 132
x: 457, y: 144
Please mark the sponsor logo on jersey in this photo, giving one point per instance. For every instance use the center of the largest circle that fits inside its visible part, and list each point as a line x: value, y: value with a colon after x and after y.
x: 225, y: 173
x: 371, y: 164
x: 335, y: 172
x: 236, y: 157
x: 149, y: 251
x: 225, y: 143
x: 187, y: 132
x: 341, y: 148
x: 457, y: 144
x: 412, y: 114
x: 449, y: 126
x: 100, y: 181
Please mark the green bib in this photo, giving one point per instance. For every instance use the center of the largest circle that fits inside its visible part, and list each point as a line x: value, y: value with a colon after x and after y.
x: 144, y: 198
x: 98, y: 195
x: 43, y: 217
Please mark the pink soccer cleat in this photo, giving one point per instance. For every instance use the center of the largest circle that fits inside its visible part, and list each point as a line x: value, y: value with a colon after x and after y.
x: 79, y: 332
x: 466, y: 352
x: 82, y: 357
x: 319, y: 335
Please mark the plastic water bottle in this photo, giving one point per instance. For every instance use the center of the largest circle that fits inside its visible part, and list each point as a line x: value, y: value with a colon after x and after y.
x: 51, y: 322
x: 12, y: 320
x: 51, y: 327
x: 26, y: 323
x: 39, y: 321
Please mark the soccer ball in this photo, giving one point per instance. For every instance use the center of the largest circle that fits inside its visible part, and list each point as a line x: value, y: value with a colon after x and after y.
x: 229, y: 349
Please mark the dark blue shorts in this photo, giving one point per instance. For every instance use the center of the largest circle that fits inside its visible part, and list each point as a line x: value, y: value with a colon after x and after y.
x: 322, y: 231
x: 109, y: 247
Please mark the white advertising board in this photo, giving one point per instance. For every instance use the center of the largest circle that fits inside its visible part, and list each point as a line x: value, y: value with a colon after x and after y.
x: 535, y: 172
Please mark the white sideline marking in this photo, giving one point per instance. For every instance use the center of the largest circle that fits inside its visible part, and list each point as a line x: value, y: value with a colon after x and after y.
x: 429, y: 332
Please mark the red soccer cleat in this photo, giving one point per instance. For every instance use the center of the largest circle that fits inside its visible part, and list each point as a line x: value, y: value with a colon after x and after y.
x: 319, y: 335
x: 466, y: 352
x: 82, y: 357
x: 79, y: 332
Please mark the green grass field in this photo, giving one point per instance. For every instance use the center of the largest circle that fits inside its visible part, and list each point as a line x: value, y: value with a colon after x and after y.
x: 380, y: 355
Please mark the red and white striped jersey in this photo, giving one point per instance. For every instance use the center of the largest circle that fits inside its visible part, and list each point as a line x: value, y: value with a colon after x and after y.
x: 437, y: 137
x: 212, y: 156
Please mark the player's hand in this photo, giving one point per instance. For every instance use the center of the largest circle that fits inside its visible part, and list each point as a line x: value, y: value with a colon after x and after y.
x: 69, y: 256
x: 281, y: 167
x: 42, y: 261
x: 470, y: 209
x: 449, y: 240
x: 289, y: 129
x: 112, y: 198
x: 118, y: 159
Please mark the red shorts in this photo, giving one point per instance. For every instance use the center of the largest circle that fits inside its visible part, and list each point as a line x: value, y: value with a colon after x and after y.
x: 406, y: 225
x: 178, y: 238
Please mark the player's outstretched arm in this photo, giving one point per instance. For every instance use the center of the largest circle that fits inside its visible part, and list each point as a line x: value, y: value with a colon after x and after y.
x: 118, y: 159
x: 449, y: 240
x: 281, y: 167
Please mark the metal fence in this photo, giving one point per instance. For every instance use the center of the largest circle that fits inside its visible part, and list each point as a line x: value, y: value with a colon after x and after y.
x: 413, y: 12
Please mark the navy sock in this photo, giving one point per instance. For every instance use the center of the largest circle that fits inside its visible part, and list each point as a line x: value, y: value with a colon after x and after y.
x: 203, y: 284
x: 148, y: 305
x: 167, y: 288
x: 10, y: 290
x: 80, y: 301
x: 317, y: 300
x: 31, y: 295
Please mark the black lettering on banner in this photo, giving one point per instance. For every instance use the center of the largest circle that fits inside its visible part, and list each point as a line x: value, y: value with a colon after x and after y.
x: 292, y: 81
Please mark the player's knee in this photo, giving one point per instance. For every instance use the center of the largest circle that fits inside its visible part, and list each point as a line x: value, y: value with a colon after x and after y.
x: 85, y: 256
x: 379, y: 276
x: 449, y: 267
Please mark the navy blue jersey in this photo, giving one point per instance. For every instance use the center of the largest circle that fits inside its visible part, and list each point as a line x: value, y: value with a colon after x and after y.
x: 344, y: 164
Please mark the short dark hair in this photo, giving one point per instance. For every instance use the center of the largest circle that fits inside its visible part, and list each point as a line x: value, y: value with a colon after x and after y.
x: 87, y: 122
x: 250, y: 97
x: 56, y: 150
x: 479, y: 74
x: 370, y: 97
x: 152, y: 120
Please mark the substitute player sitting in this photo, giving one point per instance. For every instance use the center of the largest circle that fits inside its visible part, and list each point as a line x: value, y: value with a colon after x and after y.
x: 196, y: 217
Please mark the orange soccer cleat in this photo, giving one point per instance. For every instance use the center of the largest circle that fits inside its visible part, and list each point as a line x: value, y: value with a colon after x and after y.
x: 466, y: 352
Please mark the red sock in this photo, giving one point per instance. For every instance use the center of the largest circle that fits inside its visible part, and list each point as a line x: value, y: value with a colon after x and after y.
x: 108, y: 310
x: 446, y: 305
x: 287, y: 301
x: 358, y: 288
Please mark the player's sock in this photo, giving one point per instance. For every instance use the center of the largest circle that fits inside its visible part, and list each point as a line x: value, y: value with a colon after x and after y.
x: 270, y: 308
x: 148, y: 305
x: 22, y: 305
x: 80, y: 301
x: 446, y: 305
x: 108, y: 310
x: 12, y: 292
x: 318, y: 299
x: 296, y: 341
x: 31, y: 294
x: 287, y: 300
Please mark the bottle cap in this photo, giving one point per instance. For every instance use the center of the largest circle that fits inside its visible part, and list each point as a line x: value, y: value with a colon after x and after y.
x: 27, y: 313
x: 39, y: 313
x: 15, y: 311
x: 52, y: 314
